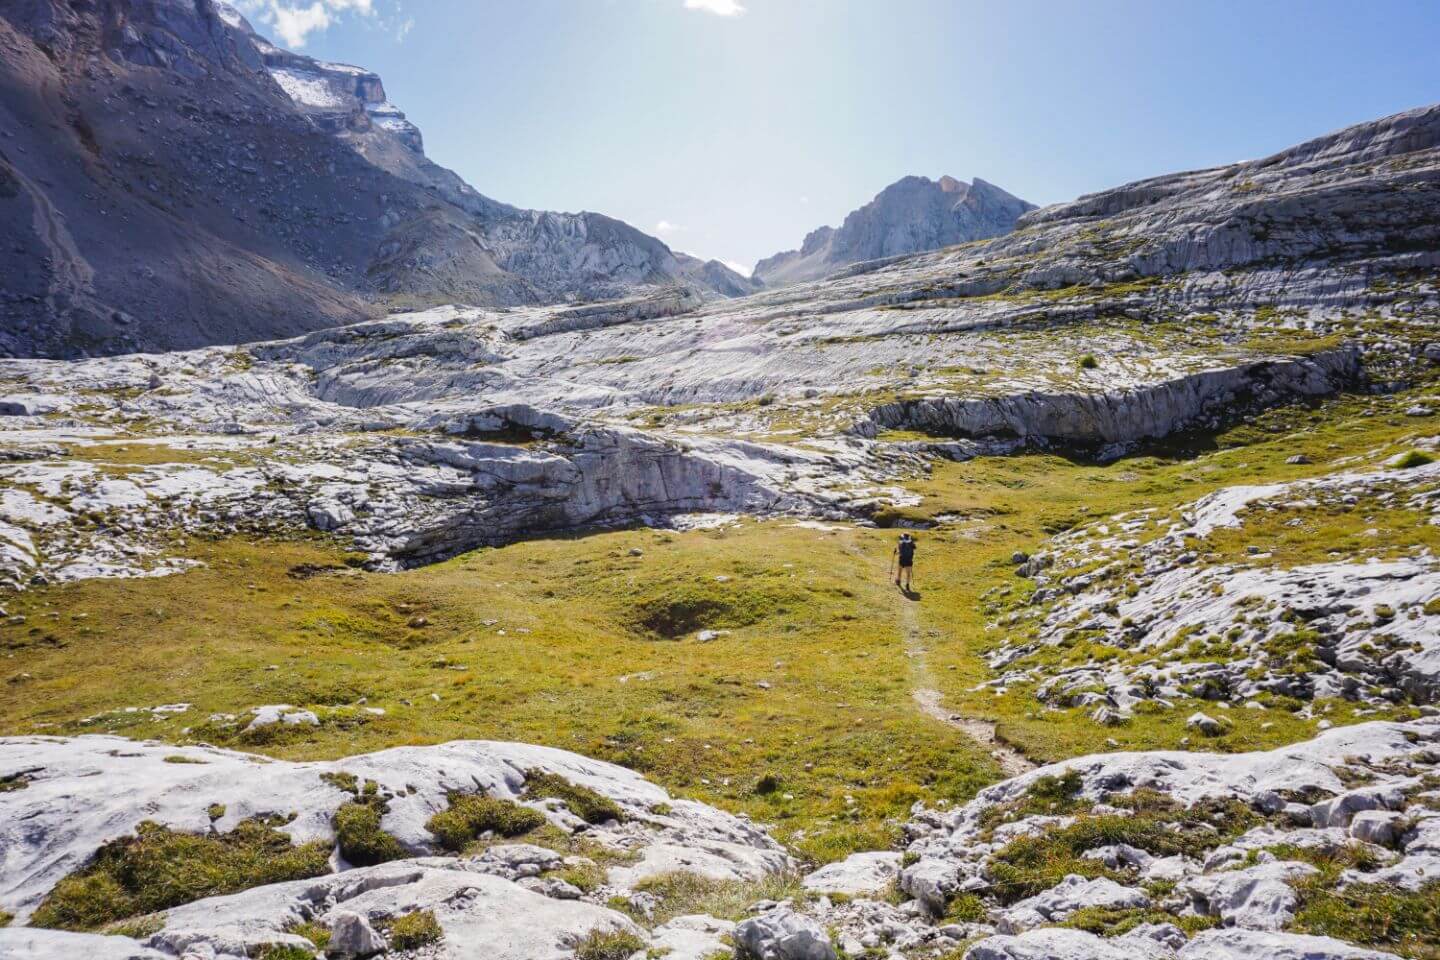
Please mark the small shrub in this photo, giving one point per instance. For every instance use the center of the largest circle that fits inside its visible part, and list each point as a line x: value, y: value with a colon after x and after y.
x: 343, y: 781
x: 1047, y: 795
x: 1088, y: 362
x: 1155, y: 824
x: 362, y: 842
x: 966, y: 908
x: 1057, y: 789
x: 413, y: 930
x: 767, y: 784
x: 1377, y: 915
x: 471, y: 815
x: 314, y: 932
x: 6, y: 918
x: 608, y: 945
x: 582, y: 801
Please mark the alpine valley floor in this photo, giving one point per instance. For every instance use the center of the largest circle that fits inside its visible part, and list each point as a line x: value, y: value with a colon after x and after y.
x: 567, y: 632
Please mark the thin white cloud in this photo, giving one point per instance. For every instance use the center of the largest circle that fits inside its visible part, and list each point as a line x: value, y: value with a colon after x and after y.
x: 293, y: 23
x: 721, y: 8
x: 739, y: 267
x: 804, y: 199
x: 665, y: 227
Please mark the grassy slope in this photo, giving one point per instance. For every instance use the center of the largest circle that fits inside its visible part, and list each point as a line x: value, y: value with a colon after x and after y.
x: 573, y: 657
x: 1018, y: 501
x: 567, y: 661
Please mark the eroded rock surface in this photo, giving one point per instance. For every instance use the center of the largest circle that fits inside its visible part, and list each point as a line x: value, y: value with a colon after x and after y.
x: 1231, y: 628
x: 53, y: 826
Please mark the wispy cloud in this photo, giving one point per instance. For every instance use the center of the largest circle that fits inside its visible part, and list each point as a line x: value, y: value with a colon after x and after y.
x: 721, y: 8
x: 738, y: 267
x: 292, y: 23
x: 666, y: 228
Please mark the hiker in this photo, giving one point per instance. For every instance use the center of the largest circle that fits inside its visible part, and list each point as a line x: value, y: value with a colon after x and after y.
x: 904, y: 557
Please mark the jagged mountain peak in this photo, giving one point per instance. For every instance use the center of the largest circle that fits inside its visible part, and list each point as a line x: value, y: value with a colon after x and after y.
x: 912, y: 215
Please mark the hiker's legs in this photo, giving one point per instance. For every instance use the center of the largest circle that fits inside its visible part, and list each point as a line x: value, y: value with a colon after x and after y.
x: 906, y: 573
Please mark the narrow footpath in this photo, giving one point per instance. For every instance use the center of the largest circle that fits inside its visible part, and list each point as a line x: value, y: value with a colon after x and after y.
x: 928, y: 699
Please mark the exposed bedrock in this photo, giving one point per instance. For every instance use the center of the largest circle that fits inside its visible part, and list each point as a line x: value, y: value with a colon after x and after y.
x: 56, y: 823
x: 605, y: 476
x: 1119, y: 417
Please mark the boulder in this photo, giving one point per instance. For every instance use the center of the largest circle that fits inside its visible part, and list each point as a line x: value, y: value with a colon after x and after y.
x: 783, y: 934
x: 859, y: 874
x: 1256, y: 898
x: 692, y: 937
x: 1069, y: 895
x: 1380, y: 827
x: 352, y: 937
x: 1205, y: 724
x: 932, y: 881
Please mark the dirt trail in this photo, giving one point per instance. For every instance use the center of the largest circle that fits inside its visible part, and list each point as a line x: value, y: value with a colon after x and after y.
x: 71, y: 276
x: 928, y: 699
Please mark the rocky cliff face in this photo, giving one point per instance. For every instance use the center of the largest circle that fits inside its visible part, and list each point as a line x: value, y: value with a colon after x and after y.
x: 912, y: 215
x: 170, y: 179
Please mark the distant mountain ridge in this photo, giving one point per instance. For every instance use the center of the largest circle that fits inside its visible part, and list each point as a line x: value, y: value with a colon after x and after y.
x: 171, y: 179
x: 912, y: 215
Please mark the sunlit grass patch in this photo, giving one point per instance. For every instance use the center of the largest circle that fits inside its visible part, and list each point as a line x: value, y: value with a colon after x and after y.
x: 581, y: 801
x: 1379, y: 915
x: 411, y: 931
x: 471, y: 815
x: 536, y: 642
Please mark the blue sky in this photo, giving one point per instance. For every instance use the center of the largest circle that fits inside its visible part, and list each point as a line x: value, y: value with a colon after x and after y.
x: 733, y: 127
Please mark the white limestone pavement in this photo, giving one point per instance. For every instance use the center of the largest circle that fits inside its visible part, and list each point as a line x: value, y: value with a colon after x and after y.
x: 483, y: 917
x: 86, y: 791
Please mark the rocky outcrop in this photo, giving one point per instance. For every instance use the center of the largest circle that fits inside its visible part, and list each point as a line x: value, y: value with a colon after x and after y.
x: 1113, y: 421
x: 1362, y: 628
x: 783, y: 934
x: 55, y: 824
x: 912, y: 215
x: 475, y: 913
